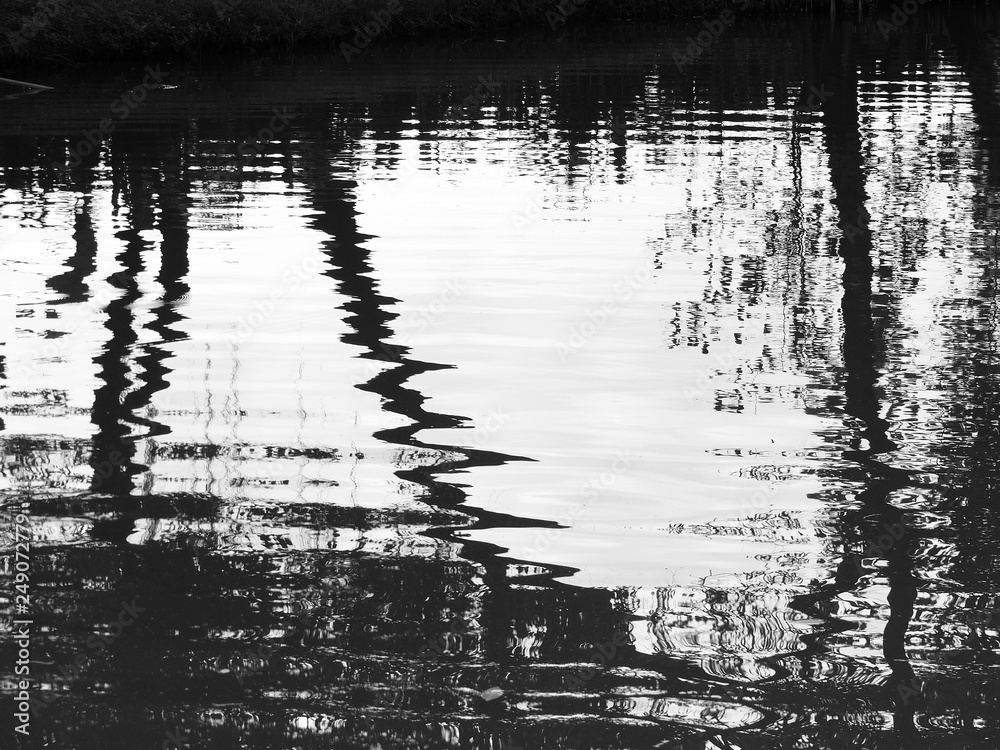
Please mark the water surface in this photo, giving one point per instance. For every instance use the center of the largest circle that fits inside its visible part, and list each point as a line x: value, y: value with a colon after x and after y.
x: 662, y: 399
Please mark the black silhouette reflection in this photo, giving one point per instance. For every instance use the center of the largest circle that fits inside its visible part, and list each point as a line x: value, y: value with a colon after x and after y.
x: 246, y: 635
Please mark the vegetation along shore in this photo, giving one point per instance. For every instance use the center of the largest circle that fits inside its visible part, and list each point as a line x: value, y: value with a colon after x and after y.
x: 69, y: 31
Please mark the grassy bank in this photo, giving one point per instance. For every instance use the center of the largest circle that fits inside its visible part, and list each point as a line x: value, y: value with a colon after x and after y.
x: 75, y: 30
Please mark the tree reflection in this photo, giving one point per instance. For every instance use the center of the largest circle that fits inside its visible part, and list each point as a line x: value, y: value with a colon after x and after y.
x: 349, y: 624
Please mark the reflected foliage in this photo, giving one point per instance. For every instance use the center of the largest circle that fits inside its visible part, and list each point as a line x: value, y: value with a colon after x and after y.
x: 286, y: 603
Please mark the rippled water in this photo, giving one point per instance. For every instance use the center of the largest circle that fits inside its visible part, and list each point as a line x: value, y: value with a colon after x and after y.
x: 338, y: 399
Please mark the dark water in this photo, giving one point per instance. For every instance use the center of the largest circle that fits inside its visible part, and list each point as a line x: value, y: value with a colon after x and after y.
x: 663, y: 401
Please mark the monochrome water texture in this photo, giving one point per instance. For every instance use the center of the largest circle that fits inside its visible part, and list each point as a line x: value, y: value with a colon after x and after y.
x: 586, y: 386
